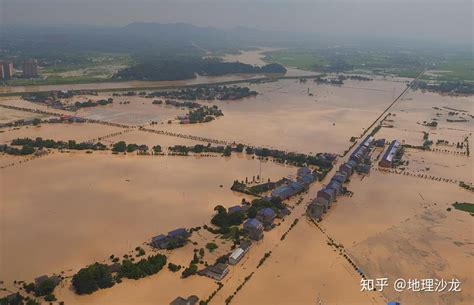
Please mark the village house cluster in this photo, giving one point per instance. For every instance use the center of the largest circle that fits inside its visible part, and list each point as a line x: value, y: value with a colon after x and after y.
x: 37, y: 121
x: 305, y: 178
x: 174, y: 239
x: 207, y: 93
x: 264, y: 221
x: 360, y: 161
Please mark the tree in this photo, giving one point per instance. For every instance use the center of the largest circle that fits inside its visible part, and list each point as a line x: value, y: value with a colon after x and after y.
x: 195, y: 259
x: 211, y: 247
x: 173, y: 268
x: 120, y: 146
x: 240, y: 147
x: 192, y: 269
x: 91, y: 278
x: 220, y: 209
x: 227, y: 151
x: 45, y: 288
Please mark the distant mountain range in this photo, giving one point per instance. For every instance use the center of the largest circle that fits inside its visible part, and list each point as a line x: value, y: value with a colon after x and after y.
x: 142, y: 36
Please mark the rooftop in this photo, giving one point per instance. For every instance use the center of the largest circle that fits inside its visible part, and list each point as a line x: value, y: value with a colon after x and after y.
x: 253, y: 222
x: 267, y: 212
x: 177, y: 232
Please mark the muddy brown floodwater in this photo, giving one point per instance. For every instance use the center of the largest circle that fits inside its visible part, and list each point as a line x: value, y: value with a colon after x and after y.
x: 63, y: 211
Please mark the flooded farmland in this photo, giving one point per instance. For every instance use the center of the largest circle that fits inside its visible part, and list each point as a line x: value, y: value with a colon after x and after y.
x: 66, y: 209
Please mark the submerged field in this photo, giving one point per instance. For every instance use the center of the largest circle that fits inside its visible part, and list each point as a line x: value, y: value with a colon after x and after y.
x: 285, y: 116
x: 456, y: 66
x: 108, y: 204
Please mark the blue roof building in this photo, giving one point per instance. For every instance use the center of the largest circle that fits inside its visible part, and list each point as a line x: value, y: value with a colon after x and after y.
x: 339, y: 177
x: 328, y: 194
x: 283, y: 192
x: 181, y: 232
x: 267, y: 212
x: 252, y: 223
x: 266, y: 216
x: 254, y: 228
x: 159, y: 241
x: 380, y: 143
x: 304, y: 171
x: 336, y: 186
x: 235, y: 208
x: 296, y: 186
x: 307, y: 179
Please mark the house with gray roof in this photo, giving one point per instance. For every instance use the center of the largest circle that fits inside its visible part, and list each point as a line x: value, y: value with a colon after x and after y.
x: 303, y: 171
x: 297, y: 187
x: 216, y: 272
x: 283, y: 192
x: 336, y: 186
x: 322, y: 202
x: 191, y: 300
x: 315, y: 211
x: 266, y: 216
x: 389, y: 155
x: 328, y: 194
x: 340, y: 177
x: 254, y: 228
x: 180, y: 232
x: 235, y: 208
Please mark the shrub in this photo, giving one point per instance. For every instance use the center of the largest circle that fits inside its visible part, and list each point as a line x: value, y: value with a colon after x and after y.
x: 211, y: 247
x: 192, y: 269
x: 92, y: 278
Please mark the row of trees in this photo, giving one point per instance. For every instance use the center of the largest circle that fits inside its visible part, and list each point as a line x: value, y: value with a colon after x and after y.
x: 207, y: 93
x: 187, y: 68
x: 50, y: 143
x: 98, y: 276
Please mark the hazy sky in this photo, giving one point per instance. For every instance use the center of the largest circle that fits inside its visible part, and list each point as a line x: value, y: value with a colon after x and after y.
x: 420, y: 19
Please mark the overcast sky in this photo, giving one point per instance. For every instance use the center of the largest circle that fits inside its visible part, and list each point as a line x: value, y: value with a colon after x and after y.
x: 419, y: 19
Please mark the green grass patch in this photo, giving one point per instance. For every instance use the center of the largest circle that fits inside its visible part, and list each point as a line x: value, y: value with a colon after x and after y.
x: 300, y: 59
x: 464, y: 206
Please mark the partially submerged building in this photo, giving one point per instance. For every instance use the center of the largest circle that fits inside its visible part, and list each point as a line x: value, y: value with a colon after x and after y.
x: 54, y: 279
x: 340, y: 177
x: 328, y: 194
x: 362, y: 150
x: 306, y: 180
x: 282, y: 192
x: 297, y: 187
x: 254, y: 228
x: 303, y: 171
x: 216, y: 272
x: 160, y: 241
x: 323, y: 202
x: 191, y: 300
x: 266, y: 216
x: 238, y: 253
x: 348, y: 167
x: 363, y: 168
x: 336, y: 186
x: 175, y: 239
x: 235, y: 208
x: 315, y: 211
x: 379, y: 143
x: 390, y: 153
